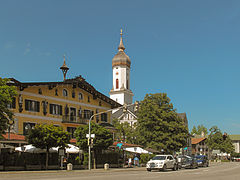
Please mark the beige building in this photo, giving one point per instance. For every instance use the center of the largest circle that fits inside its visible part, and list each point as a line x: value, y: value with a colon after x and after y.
x: 68, y: 103
x: 236, y: 142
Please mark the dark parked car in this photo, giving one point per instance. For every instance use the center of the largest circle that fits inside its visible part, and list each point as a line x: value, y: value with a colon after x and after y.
x: 188, y: 162
x: 202, y: 160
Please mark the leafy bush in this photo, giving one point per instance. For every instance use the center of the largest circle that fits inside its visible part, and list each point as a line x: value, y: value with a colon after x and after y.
x: 144, y: 158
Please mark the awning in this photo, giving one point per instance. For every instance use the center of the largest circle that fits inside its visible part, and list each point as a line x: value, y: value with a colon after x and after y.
x: 137, y: 150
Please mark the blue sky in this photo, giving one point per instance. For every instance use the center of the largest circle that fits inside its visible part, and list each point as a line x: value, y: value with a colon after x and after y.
x: 189, y: 49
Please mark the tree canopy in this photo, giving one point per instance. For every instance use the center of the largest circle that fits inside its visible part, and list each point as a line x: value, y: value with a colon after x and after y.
x: 217, y: 140
x: 125, y: 132
x: 46, y: 136
x: 103, y: 137
x: 6, y: 95
x: 201, y: 129
x: 158, y: 126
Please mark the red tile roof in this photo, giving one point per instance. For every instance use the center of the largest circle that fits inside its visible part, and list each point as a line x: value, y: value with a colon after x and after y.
x: 73, y: 140
x: 14, y: 137
x: 197, y: 140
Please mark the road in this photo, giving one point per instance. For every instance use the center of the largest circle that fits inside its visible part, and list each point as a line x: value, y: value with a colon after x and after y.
x: 218, y: 171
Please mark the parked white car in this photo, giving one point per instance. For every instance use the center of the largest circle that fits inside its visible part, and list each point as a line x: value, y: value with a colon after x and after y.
x: 162, y: 162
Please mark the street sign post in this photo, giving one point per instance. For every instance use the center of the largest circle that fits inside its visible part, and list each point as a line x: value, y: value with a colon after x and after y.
x: 92, y: 135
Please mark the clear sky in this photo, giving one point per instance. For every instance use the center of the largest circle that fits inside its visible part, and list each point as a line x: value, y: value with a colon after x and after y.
x: 188, y: 49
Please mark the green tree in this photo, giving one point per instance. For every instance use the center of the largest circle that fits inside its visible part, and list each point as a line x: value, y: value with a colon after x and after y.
x: 6, y: 95
x: 158, y: 126
x: 217, y: 140
x: 194, y: 130
x: 46, y: 136
x: 199, y: 130
x: 103, y: 138
x: 125, y: 132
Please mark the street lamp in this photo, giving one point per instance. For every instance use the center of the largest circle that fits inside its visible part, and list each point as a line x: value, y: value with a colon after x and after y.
x: 124, y: 107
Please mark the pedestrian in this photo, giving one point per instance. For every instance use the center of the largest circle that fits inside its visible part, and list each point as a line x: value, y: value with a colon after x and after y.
x: 130, y: 162
x: 136, y: 161
x: 65, y: 162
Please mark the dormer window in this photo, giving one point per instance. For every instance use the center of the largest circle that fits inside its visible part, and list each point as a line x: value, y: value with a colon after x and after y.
x: 65, y: 93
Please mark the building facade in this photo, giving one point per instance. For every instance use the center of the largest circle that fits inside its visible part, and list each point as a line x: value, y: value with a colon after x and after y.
x: 199, y: 146
x: 68, y: 103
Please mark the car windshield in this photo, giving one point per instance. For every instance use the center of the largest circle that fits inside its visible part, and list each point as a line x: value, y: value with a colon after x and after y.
x: 159, y: 158
x: 199, y: 157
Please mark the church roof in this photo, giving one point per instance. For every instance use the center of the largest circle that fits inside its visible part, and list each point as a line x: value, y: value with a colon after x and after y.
x: 121, y: 58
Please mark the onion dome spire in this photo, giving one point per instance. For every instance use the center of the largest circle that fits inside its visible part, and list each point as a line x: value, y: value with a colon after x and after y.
x: 121, y: 46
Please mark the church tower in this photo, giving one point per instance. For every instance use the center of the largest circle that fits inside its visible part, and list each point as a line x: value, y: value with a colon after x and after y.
x: 121, y: 65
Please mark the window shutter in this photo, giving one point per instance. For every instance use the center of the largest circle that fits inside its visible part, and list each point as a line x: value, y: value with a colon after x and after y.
x: 38, y: 106
x: 51, y: 109
x: 26, y: 104
x: 60, y: 110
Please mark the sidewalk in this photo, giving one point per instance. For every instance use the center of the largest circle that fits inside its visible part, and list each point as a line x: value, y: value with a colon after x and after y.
x: 100, y: 170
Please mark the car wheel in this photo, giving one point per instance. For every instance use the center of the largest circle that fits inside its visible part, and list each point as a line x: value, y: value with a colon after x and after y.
x: 164, y: 167
x: 149, y: 170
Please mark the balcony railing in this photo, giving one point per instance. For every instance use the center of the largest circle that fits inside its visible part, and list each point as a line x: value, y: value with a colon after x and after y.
x: 74, y: 119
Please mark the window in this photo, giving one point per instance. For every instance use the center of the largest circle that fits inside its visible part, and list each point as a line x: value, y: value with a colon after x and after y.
x: 127, y: 85
x: 39, y: 91
x: 71, y: 131
x: 80, y: 113
x: 65, y: 93
x: 104, y: 117
x: 73, y: 94
x: 117, y: 84
x: 87, y: 114
x: 13, y: 104
x: 100, y: 103
x: 27, y: 127
x: 31, y: 105
x: 80, y: 96
x: 72, y: 114
x: 55, y: 109
x: 66, y: 110
x: 56, y: 92
x: 88, y: 99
